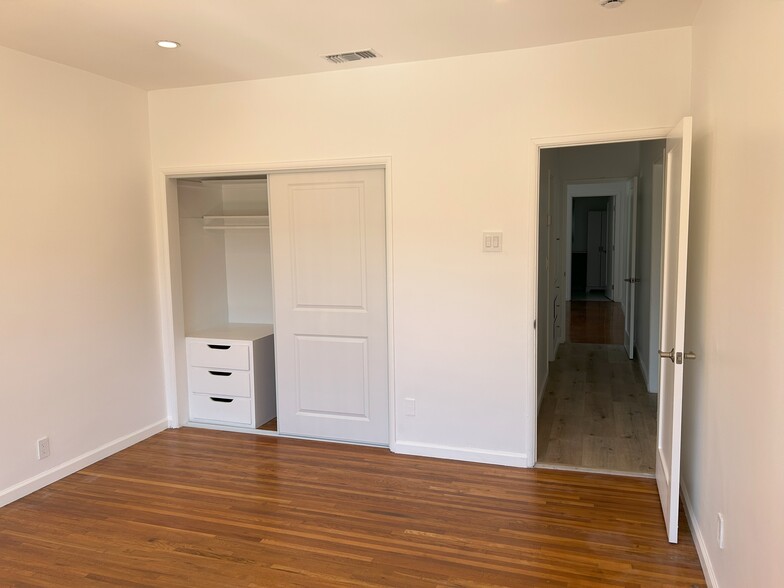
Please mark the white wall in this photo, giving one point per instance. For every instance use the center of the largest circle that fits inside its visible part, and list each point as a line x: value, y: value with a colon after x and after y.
x: 202, y: 256
x: 459, y: 132
x: 609, y: 161
x: 548, y: 265
x: 734, y: 391
x: 81, y: 350
x: 248, y: 256
x: 649, y: 233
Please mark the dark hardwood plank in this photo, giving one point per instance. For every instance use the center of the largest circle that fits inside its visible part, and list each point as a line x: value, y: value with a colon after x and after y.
x: 194, y: 507
x: 270, y: 425
x: 595, y: 322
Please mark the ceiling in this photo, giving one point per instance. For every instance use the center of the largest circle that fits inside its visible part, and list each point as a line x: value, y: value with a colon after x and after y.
x: 232, y: 40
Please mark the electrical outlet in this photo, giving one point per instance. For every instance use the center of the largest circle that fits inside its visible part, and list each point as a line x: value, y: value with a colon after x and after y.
x: 43, y: 448
x: 409, y: 405
x: 720, y: 530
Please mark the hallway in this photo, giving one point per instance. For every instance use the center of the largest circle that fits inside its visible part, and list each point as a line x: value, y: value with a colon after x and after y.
x: 594, y: 322
x: 596, y: 412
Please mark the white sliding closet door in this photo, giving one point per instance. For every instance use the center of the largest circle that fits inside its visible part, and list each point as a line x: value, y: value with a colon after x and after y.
x: 328, y: 235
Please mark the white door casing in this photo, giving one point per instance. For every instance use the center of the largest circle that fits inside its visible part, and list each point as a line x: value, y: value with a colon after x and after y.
x: 631, y: 272
x: 677, y: 180
x: 329, y: 275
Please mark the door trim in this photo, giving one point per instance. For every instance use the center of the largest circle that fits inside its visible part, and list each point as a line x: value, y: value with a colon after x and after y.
x: 531, y: 306
x: 169, y: 272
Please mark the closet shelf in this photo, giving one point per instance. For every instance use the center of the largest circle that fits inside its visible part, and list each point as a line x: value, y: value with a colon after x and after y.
x: 222, y: 223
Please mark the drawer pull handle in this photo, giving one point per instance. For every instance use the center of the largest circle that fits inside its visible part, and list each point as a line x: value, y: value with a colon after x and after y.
x: 221, y: 399
x: 218, y: 346
x: 219, y: 373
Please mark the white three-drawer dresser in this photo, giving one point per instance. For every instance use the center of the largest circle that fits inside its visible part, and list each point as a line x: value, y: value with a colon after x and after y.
x: 231, y: 375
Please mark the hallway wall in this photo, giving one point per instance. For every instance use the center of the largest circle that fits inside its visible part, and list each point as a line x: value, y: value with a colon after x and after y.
x: 649, y: 239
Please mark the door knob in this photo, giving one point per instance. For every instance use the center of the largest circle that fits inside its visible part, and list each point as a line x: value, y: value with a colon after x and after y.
x: 677, y: 357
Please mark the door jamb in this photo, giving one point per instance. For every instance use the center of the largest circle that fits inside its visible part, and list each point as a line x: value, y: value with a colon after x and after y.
x: 537, y: 144
x: 172, y: 329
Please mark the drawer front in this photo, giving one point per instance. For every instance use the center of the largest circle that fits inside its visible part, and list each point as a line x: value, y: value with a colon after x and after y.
x: 218, y: 354
x: 233, y: 411
x: 218, y: 383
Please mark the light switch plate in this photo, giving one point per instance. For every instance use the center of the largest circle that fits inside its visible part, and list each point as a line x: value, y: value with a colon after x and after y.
x: 492, y: 242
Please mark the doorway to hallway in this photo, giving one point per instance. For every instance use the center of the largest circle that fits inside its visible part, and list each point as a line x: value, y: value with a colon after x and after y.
x: 597, y: 406
x: 653, y: 291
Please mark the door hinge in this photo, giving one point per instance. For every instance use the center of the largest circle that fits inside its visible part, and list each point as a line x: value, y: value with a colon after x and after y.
x: 534, y: 324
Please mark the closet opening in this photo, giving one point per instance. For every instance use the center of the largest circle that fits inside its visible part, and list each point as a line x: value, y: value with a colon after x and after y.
x: 227, y: 301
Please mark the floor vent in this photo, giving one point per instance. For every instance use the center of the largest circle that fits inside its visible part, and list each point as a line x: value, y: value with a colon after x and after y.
x: 352, y: 56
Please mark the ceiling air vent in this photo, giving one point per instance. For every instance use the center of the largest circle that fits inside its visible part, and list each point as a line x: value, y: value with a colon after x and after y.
x: 353, y: 56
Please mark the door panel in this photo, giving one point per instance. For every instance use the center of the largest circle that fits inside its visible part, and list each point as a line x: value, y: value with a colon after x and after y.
x: 332, y: 376
x: 328, y: 276
x: 329, y: 273
x: 673, y: 303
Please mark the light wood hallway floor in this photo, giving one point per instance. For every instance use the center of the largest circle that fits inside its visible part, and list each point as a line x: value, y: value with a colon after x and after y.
x: 596, y: 412
x: 200, y: 508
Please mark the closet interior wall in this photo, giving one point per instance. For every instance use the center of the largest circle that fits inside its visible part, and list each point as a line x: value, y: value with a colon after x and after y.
x: 226, y: 273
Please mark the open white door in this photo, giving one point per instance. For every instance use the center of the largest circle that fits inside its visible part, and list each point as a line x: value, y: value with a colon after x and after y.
x: 677, y: 172
x: 631, y: 272
x: 328, y: 235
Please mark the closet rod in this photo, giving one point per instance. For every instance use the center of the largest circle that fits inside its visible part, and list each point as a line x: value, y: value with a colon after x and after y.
x: 234, y: 227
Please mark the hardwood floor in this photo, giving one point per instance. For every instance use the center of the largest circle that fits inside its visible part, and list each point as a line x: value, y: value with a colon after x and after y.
x: 270, y: 425
x: 596, y: 412
x: 194, y: 507
x: 595, y: 322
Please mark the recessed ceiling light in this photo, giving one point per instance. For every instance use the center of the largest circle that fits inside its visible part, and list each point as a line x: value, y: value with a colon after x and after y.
x: 168, y: 44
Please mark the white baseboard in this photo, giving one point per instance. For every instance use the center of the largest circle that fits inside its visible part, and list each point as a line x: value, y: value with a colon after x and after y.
x: 505, y: 458
x: 58, y: 472
x: 699, y: 541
